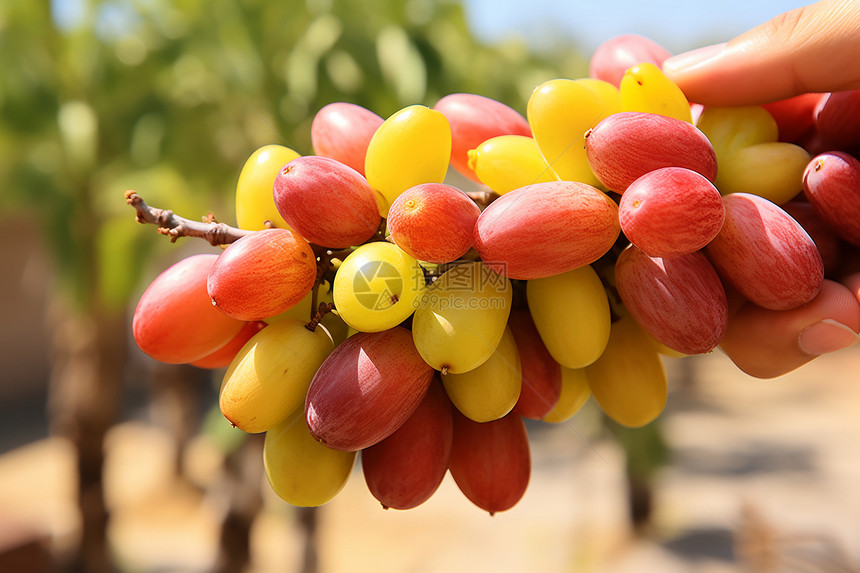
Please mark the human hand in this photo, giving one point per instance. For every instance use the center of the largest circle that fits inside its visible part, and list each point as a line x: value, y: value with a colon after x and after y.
x: 769, y: 343
x: 809, y: 49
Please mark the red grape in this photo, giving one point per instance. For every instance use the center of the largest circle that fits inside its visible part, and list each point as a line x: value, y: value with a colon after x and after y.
x: 175, y: 322
x: 490, y: 461
x: 343, y: 131
x: 614, y: 56
x: 406, y: 468
x: 832, y: 184
x: 366, y: 389
x: 326, y: 202
x: 794, y: 116
x: 475, y: 119
x: 671, y: 211
x: 627, y: 145
x: 820, y: 231
x: 262, y: 274
x: 680, y: 301
x: 837, y: 119
x: 433, y: 222
x: 222, y: 357
x: 766, y: 254
x: 541, y: 385
x: 546, y: 229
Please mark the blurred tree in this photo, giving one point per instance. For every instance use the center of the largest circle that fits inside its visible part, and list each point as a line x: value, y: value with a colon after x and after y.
x: 170, y: 97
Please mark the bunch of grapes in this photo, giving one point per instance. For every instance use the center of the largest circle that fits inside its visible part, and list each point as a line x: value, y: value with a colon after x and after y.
x: 364, y: 305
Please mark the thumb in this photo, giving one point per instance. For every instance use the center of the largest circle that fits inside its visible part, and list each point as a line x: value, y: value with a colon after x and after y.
x: 809, y: 49
x: 769, y: 343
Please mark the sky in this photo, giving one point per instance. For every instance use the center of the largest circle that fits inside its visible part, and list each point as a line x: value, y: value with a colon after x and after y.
x: 677, y: 25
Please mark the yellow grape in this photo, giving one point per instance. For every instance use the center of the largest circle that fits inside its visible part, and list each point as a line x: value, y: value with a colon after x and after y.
x: 560, y: 112
x: 571, y: 313
x: 605, y: 90
x: 629, y: 380
x: 491, y: 390
x: 644, y: 88
x: 732, y: 128
x: 771, y: 170
x: 377, y: 287
x: 750, y: 158
x: 301, y: 311
x: 255, y: 203
x: 411, y: 147
x: 269, y: 377
x: 301, y: 470
x: 508, y: 162
x: 462, y: 317
x: 574, y: 394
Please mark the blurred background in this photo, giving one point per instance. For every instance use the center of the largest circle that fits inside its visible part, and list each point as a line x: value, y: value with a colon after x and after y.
x: 111, y: 462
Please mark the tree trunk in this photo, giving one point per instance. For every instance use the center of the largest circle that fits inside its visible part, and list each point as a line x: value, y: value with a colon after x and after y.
x: 174, y: 403
x: 308, y: 521
x: 244, y: 471
x: 89, y: 351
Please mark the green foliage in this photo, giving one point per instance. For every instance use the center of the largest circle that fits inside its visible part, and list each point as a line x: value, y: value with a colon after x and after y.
x: 169, y: 97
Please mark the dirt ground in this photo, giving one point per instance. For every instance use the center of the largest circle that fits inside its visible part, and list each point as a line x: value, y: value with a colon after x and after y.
x: 763, y: 477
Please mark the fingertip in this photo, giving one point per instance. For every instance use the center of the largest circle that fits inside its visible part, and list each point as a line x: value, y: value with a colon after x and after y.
x: 826, y: 336
x: 678, y: 67
x: 852, y: 283
x: 769, y: 343
x: 733, y: 73
x: 807, y: 49
x: 831, y: 322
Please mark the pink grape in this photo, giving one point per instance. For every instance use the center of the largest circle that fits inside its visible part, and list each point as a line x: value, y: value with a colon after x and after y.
x: 262, y: 274
x: 490, y: 461
x: 433, y: 222
x: 831, y: 182
x: 680, y: 300
x: 475, y: 119
x: 326, y: 202
x: 406, y: 468
x: 614, y: 56
x: 366, y: 389
x: 546, y: 229
x: 671, y: 211
x: 174, y: 321
x: 342, y: 131
x: 627, y: 145
x: 765, y: 254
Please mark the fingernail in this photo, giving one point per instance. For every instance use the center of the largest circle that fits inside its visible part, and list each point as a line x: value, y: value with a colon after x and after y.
x: 826, y: 336
x: 692, y: 58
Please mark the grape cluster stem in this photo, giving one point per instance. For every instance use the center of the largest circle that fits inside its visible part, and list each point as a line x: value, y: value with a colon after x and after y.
x: 323, y: 309
x: 174, y: 226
